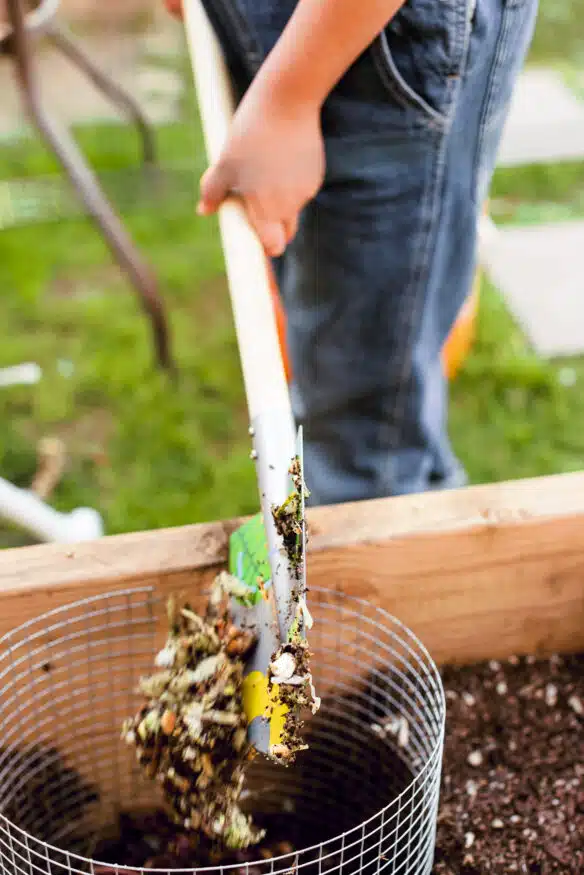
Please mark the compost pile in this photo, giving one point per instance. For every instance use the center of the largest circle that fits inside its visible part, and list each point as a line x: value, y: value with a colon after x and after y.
x: 512, y: 797
x: 191, y: 733
x: 153, y: 841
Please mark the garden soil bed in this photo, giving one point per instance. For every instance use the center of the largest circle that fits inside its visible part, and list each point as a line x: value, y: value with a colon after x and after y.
x: 512, y: 797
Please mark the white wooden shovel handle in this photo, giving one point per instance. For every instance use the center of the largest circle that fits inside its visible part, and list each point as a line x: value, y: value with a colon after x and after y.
x: 247, y: 270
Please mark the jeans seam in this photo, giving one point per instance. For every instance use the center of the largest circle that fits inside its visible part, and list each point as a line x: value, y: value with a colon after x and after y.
x: 421, y: 268
x: 431, y: 215
x: 500, y: 55
x: 397, y: 86
x: 466, y: 32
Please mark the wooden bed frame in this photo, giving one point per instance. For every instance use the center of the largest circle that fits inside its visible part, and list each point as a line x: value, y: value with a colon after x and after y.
x: 481, y: 572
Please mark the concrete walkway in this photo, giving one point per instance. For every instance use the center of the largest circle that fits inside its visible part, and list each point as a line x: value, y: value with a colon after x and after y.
x: 545, y: 124
x: 540, y: 270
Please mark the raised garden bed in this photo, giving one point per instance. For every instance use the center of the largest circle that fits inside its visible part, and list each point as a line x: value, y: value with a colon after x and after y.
x: 488, y: 573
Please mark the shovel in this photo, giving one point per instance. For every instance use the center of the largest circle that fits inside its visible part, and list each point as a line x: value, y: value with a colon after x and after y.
x: 274, y: 585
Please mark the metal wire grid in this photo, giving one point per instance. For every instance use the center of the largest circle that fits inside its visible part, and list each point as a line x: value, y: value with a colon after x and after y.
x: 361, y: 800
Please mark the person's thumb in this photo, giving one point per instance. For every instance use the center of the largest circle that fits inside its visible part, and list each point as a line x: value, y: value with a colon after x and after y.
x: 214, y: 188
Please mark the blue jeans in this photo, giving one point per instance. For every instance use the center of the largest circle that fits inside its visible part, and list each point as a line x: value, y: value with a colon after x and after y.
x: 385, y: 254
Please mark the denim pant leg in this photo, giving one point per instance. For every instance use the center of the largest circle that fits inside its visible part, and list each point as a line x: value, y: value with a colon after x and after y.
x: 385, y: 254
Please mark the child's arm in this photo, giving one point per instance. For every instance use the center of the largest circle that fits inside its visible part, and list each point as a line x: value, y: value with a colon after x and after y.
x: 321, y: 41
x: 274, y: 159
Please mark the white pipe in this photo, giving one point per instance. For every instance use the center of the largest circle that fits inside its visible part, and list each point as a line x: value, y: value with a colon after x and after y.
x: 23, y: 509
x: 26, y: 374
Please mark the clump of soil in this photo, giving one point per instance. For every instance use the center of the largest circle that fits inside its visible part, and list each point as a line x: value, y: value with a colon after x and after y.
x: 512, y: 797
x: 289, y: 518
x: 191, y: 733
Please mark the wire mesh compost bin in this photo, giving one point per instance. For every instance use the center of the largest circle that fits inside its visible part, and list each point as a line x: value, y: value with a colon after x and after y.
x: 362, y: 799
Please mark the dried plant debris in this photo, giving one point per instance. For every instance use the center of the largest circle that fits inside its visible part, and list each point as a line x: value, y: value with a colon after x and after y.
x: 289, y: 520
x: 191, y: 734
x: 289, y: 671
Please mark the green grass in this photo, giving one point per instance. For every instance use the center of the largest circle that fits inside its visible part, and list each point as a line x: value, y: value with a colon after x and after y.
x: 511, y: 414
x: 574, y: 78
x: 559, y: 33
x: 538, y: 193
x: 148, y: 453
x: 145, y: 452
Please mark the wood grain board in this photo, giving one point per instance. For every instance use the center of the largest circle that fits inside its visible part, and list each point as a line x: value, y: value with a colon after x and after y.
x: 480, y: 572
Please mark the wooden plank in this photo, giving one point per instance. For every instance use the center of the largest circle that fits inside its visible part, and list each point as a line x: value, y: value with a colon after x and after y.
x: 481, y: 572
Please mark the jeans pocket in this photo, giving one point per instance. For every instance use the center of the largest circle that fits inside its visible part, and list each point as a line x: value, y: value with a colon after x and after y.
x: 516, y: 25
x: 421, y: 54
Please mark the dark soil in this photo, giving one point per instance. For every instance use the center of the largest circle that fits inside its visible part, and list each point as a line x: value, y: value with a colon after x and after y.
x: 512, y: 798
x: 152, y: 841
x: 360, y: 782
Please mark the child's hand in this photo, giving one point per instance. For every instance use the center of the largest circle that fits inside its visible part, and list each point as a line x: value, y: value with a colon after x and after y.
x: 274, y: 161
x: 274, y: 158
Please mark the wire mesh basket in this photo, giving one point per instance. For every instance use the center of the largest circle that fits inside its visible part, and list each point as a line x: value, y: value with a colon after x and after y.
x: 362, y: 799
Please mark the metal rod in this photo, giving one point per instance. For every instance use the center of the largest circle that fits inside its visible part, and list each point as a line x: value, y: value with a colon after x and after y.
x: 118, y: 95
x: 84, y: 181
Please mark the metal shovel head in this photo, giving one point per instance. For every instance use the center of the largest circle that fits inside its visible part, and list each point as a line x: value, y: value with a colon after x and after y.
x: 260, y: 606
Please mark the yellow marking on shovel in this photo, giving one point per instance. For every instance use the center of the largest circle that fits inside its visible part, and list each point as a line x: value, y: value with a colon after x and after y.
x: 259, y: 701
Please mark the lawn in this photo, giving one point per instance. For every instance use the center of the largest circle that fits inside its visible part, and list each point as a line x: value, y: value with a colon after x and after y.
x: 144, y: 451
x: 148, y: 453
x: 559, y: 35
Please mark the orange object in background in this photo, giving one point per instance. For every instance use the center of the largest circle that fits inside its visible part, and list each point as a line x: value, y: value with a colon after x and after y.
x: 461, y: 338
x: 454, y: 352
x: 174, y: 7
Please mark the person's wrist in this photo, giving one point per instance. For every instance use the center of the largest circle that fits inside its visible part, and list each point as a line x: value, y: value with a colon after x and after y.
x: 287, y: 92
